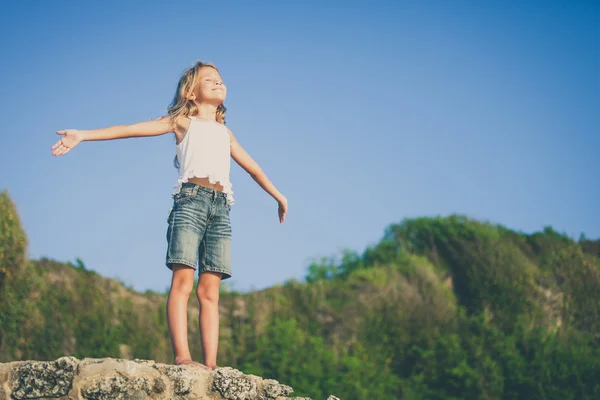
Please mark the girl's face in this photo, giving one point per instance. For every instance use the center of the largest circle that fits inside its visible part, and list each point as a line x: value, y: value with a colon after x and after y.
x: 210, y: 87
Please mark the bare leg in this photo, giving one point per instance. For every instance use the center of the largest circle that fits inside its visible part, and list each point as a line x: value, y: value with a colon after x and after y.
x: 208, y: 297
x: 182, y: 284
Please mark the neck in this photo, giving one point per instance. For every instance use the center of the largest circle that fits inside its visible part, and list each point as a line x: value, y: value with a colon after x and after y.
x: 207, y: 111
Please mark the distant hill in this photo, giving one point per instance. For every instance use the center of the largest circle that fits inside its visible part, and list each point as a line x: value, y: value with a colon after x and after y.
x: 440, y: 308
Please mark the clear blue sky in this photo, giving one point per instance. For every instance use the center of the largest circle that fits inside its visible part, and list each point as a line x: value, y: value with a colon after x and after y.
x: 361, y: 113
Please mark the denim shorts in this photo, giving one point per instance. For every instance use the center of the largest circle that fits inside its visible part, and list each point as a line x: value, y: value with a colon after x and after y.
x: 199, y: 231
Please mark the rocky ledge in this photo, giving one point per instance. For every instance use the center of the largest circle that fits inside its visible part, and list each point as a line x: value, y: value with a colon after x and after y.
x: 121, y: 379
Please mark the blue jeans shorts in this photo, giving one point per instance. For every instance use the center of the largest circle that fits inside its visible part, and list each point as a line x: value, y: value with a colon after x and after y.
x: 199, y: 231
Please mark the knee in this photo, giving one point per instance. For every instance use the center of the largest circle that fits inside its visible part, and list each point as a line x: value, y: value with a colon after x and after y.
x: 182, y: 286
x: 207, y: 295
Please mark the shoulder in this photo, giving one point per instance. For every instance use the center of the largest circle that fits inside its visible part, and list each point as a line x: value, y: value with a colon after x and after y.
x: 180, y: 124
x: 231, y: 135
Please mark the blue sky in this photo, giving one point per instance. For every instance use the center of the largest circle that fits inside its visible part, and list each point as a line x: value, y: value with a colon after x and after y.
x: 361, y: 113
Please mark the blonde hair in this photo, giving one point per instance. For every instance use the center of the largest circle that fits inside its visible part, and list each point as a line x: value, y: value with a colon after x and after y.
x: 182, y: 106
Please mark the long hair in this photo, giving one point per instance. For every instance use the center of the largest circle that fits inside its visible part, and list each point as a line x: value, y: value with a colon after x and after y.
x: 182, y: 106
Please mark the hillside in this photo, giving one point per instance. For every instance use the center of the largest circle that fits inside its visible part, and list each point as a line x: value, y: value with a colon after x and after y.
x: 441, y: 308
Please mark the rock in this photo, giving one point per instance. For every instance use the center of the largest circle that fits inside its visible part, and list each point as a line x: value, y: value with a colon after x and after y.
x: 234, y: 385
x: 272, y: 389
x: 185, y: 379
x: 122, y: 388
x: 5, y: 372
x: 119, y: 379
x: 68, y: 378
x: 38, y: 379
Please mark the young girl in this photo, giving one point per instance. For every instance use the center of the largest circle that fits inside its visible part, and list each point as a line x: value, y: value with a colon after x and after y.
x: 199, y: 230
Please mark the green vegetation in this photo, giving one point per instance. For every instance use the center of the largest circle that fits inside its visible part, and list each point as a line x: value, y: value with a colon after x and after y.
x: 439, y: 309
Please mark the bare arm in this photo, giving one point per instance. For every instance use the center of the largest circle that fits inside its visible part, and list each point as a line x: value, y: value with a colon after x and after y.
x: 243, y: 159
x: 72, y: 137
x: 147, y: 128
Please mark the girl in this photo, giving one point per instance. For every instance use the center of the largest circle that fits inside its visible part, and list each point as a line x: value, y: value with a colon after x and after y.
x: 199, y: 231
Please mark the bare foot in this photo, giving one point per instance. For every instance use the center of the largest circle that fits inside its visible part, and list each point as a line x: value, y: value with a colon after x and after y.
x: 190, y: 362
x: 212, y: 366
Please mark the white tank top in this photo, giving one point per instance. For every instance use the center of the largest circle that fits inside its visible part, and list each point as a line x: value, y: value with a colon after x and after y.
x: 204, y: 152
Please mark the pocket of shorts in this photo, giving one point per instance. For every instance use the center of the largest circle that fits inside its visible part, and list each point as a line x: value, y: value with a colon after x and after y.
x: 182, y: 197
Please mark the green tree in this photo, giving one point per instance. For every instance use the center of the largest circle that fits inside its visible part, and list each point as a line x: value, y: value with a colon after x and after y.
x: 13, y: 241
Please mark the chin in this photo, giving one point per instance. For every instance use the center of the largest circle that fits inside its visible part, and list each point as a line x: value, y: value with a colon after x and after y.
x: 214, y: 100
x: 217, y: 97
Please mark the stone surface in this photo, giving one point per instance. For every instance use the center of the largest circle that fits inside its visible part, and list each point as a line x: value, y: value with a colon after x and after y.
x: 234, y: 385
x: 68, y: 378
x: 5, y: 370
x: 182, y: 383
x: 90, y: 367
x: 40, y: 379
x: 123, y: 388
x: 273, y: 389
x: 119, y: 379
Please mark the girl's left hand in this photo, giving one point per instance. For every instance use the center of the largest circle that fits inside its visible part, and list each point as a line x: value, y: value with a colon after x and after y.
x: 282, y: 209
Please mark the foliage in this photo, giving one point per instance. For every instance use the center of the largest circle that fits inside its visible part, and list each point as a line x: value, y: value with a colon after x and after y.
x: 440, y: 308
x: 13, y: 248
x: 13, y: 242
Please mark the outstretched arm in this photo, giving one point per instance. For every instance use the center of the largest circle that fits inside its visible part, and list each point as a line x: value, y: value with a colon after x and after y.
x: 243, y: 159
x: 72, y: 137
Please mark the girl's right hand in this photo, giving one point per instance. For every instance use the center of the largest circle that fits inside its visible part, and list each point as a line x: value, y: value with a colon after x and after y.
x: 71, y: 138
